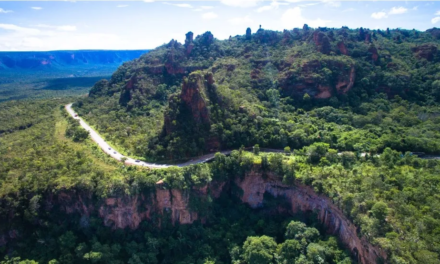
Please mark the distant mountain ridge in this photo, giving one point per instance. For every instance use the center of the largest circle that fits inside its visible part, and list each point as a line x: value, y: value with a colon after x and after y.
x: 37, y: 60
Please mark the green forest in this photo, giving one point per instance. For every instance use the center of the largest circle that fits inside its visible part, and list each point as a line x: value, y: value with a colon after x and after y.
x: 354, y: 111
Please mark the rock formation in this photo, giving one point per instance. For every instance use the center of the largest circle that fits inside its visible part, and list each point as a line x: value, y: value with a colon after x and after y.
x: 373, y: 51
x: 248, y: 33
x: 425, y: 51
x: 306, y: 81
x: 129, y: 211
x: 195, y: 95
x: 303, y: 199
x: 189, y: 45
x: 342, y: 48
x: 322, y: 42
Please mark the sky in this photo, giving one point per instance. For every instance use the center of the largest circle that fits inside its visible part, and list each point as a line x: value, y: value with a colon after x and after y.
x: 72, y: 25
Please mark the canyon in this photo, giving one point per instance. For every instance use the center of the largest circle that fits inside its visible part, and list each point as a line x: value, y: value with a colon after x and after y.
x: 130, y: 211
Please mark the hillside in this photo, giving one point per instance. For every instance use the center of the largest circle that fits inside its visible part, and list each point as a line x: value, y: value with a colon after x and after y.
x: 348, y: 107
x: 182, y: 100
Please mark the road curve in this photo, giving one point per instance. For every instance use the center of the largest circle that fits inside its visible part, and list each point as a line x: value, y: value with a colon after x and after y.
x: 130, y: 161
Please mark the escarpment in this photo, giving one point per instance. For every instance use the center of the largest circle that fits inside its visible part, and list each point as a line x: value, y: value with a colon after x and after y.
x: 130, y: 211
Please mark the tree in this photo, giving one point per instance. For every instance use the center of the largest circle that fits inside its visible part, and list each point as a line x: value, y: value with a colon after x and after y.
x: 289, y: 250
x: 380, y: 211
x: 256, y: 149
x: 287, y: 150
x: 259, y: 250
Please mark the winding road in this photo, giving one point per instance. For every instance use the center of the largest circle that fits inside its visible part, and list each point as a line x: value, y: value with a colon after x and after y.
x: 130, y: 161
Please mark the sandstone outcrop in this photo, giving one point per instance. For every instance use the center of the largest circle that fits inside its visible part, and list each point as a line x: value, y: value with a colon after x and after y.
x: 306, y: 80
x: 303, y: 199
x: 322, y: 42
x: 189, y: 45
x: 195, y: 95
x: 130, y: 211
x: 425, y: 51
x: 342, y: 48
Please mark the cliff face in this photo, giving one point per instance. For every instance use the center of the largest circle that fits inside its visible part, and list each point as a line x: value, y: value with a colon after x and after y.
x: 304, y: 79
x: 192, y: 105
x: 129, y: 211
x: 303, y: 199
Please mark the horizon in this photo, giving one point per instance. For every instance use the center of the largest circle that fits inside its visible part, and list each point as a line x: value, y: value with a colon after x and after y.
x: 149, y: 49
x: 145, y: 25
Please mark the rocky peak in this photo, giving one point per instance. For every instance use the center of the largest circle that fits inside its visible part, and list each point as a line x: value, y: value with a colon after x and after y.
x: 248, y: 33
x: 194, y: 95
x: 425, y: 51
x: 189, y: 43
x: 322, y: 42
x: 206, y: 39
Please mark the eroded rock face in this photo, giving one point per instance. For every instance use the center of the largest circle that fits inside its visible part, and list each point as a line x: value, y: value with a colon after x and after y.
x: 322, y: 42
x: 425, y: 51
x: 303, y: 199
x: 342, y: 48
x: 315, y: 86
x: 194, y: 95
x: 130, y: 211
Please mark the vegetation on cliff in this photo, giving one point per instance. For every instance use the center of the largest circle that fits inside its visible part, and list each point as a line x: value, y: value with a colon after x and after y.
x: 352, y: 105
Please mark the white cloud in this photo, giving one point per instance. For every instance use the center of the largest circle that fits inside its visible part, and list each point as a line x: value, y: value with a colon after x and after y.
x: 379, y: 15
x: 179, y: 5
x: 36, y: 8
x: 273, y: 5
x: 206, y: 7
x: 240, y: 3
x: 293, y: 18
x: 397, y: 10
x: 332, y: 3
x: 435, y: 20
x: 309, y: 4
x: 437, y: 13
x: 120, y: 6
x: 415, y: 8
x: 19, y: 29
x: 5, y: 11
x: 209, y: 16
x: 60, y: 28
x: 351, y: 9
x: 241, y: 21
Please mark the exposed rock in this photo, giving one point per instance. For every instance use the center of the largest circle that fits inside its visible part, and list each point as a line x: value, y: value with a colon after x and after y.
x: 342, y: 48
x: 367, y: 38
x: 374, y: 55
x: 303, y: 199
x: 174, y: 57
x: 206, y: 39
x: 307, y: 81
x: 248, y: 33
x: 322, y: 42
x: 425, y: 51
x: 194, y: 95
x: 189, y: 43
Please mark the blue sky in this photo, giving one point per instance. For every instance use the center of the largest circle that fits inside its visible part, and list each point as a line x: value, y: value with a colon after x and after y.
x: 66, y: 25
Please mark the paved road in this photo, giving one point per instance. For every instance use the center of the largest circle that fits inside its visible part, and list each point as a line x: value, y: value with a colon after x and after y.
x: 130, y: 161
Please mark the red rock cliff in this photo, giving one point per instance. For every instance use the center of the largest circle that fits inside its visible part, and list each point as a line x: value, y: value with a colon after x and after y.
x: 304, y: 199
x: 129, y: 211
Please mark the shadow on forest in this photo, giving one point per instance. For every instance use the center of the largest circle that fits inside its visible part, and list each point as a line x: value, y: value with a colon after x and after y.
x: 71, y: 83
